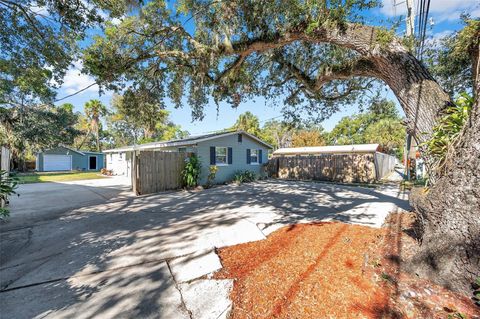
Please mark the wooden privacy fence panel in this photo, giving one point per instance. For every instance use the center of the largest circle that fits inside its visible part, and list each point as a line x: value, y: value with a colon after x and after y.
x: 157, y: 171
x: 345, y: 168
x: 384, y: 164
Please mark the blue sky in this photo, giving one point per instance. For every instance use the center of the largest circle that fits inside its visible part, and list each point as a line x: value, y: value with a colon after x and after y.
x: 445, y: 15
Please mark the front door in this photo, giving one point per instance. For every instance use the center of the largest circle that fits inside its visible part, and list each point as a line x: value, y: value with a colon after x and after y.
x: 92, y: 163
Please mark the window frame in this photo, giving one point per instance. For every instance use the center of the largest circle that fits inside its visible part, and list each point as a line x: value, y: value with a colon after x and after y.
x: 226, y: 155
x: 256, y: 156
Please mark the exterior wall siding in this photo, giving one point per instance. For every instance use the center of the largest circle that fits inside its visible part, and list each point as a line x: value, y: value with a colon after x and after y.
x: 79, y: 161
x: 119, y: 164
x: 239, y: 157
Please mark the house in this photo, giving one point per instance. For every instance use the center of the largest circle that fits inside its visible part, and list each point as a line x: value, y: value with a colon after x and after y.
x: 63, y: 158
x: 229, y: 151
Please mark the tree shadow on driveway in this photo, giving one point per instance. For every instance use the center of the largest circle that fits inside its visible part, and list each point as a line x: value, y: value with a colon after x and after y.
x: 112, y: 260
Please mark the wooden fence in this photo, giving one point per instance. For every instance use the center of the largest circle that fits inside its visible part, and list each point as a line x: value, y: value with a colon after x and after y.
x: 384, y: 164
x: 345, y: 168
x: 157, y: 171
x: 5, y: 159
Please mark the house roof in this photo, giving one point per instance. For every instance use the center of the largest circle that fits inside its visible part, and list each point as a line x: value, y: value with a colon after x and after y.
x: 335, y: 149
x: 72, y: 149
x: 191, y: 140
x: 77, y: 151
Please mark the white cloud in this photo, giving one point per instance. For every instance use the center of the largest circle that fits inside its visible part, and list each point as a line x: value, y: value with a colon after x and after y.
x: 441, y: 9
x: 116, y: 21
x: 433, y: 40
x: 40, y: 10
x: 74, y: 80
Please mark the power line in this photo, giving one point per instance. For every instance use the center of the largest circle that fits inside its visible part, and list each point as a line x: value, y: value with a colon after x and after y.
x: 75, y: 93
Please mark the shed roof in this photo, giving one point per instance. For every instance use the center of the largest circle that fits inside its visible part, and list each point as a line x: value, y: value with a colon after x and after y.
x: 334, y: 149
x: 191, y: 140
x: 75, y: 150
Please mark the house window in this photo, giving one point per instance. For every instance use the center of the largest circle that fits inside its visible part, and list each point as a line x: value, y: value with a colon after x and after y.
x: 254, y: 157
x: 182, y: 149
x: 120, y: 155
x: 221, y: 155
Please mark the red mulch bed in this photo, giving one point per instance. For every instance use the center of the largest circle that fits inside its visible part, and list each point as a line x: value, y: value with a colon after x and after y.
x: 334, y: 270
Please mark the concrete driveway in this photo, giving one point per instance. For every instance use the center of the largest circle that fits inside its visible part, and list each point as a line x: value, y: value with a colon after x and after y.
x: 150, y: 257
x: 38, y: 201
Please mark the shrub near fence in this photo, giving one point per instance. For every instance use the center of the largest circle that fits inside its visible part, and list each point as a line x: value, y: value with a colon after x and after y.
x: 345, y: 168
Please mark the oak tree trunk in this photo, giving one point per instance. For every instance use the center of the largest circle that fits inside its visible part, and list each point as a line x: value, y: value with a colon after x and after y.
x: 449, y: 212
x: 450, y: 215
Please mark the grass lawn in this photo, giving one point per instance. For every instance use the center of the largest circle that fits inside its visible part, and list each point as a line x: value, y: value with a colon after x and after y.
x: 56, y: 177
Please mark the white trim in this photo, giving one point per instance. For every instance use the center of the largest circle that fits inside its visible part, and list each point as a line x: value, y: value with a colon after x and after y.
x: 333, y: 149
x: 226, y: 156
x: 96, y: 163
x: 257, y: 156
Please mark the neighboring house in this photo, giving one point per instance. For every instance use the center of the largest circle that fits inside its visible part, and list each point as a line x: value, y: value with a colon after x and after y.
x: 63, y: 158
x: 229, y: 151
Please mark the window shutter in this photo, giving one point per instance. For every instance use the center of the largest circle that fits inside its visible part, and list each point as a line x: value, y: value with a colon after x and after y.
x: 260, y: 156
x: 229, y: 155
x: 212, y: 155
x: 248, y: 156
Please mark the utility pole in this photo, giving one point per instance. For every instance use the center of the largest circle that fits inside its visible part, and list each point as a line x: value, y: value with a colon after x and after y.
x: 410, y: 17
x: 410, y: 33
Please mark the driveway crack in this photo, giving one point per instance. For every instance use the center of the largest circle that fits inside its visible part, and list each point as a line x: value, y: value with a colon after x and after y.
x: 184, y: 306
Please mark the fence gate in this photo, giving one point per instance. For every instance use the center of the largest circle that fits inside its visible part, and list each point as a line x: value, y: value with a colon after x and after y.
x: 157, y: 171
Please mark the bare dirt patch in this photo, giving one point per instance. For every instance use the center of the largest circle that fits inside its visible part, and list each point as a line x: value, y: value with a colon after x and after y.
x: 334, y: 270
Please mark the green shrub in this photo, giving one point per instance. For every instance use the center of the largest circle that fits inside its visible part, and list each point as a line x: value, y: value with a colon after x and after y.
x: 7, y: 188
x: 211, y: 176
x: 448, y: 127
x: 191, y: 172
x: 244, y: 177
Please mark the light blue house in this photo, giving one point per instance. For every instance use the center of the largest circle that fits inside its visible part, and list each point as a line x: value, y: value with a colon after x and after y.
x: 229, y: 151
x: 63, y: 158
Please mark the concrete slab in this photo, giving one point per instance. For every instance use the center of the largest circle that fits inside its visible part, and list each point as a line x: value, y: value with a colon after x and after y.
x: 87, y: 260
x: 208, y: 299
x: 194, y: 266
x: 145, y: 291
x: 41, y: 200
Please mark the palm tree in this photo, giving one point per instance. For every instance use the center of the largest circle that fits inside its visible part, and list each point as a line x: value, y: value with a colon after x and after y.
x: 94, y: 110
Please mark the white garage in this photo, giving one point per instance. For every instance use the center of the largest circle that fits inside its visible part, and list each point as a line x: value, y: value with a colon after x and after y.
x: 56, y: 162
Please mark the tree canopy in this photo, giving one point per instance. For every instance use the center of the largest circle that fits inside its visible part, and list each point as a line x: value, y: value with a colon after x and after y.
x: 40, y: 39
x: 248, y: 123
x: 29, y: 129
x: 380, y: 124
x: 235, y: 51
